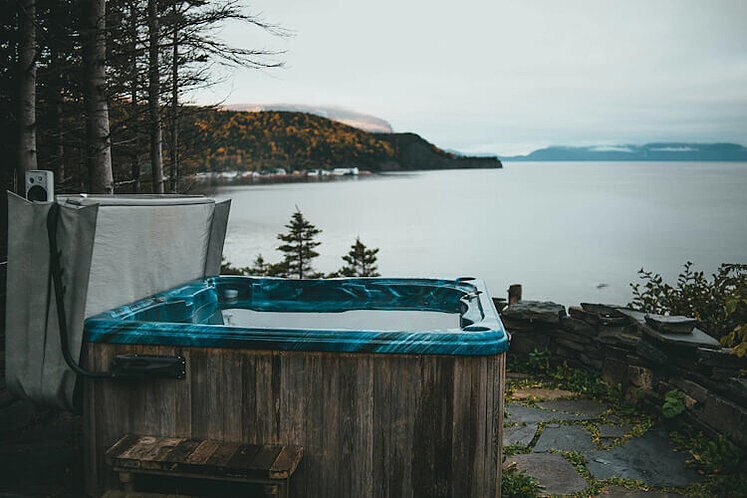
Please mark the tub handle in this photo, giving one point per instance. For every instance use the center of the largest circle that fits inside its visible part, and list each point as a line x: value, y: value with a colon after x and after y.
x: 141, y: 366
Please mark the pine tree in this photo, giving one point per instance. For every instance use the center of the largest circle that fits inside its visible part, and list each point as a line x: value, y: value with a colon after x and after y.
x: 259, y: 268
x: 299, y: 247
x: 227, y: 269
x: 361, y: 261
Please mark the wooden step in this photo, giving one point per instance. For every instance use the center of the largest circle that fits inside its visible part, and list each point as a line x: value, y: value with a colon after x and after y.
x: 203, y: 458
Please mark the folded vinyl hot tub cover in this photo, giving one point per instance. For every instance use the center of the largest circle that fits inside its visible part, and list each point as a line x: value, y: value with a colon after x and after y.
x: 113, y: 250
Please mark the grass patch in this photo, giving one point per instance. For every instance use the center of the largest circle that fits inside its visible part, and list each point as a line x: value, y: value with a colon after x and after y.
x: 595, y: 486
x: 515, y: 449
x: 518, y: 484
x: 721, y: 462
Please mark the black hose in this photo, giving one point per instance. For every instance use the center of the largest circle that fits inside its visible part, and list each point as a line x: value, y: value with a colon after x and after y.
x: 59, y: 293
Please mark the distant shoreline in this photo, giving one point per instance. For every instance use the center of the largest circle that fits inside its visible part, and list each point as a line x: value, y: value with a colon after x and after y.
x: 514, y: 160
x: 202, y: 186
x: 234, y: 178
x: 651, y: 152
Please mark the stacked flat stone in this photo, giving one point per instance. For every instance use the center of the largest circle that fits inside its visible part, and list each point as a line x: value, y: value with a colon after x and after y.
x: 645, y: 353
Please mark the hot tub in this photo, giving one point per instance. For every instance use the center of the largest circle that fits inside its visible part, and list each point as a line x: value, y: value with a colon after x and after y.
x: 393, y: 387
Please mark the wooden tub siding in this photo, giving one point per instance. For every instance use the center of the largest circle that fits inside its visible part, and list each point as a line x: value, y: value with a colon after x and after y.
x: 379, y: 425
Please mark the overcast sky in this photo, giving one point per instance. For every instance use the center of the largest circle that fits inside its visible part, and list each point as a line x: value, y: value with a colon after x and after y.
x: 510, y: 76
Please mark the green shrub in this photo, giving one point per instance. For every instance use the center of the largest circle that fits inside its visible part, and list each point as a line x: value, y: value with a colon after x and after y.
x: 719, y: 304
x: 540, y: 360
x: 720, y: 460
x: 736, y: 306
x: 673, y: 404
x: 715, y: 455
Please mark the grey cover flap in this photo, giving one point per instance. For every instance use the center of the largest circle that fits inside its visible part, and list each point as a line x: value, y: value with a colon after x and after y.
x: 112, y: 251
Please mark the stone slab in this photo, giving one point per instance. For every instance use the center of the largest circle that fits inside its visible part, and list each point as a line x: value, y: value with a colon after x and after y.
x: 552, y: 471
x: 589, y: 408
x: 578, y: 313
x: 671, y: 324
x: 624, y: 336
x: 541, y: 311
x: 694, y: 339
x: 721, y: 358
x: 578, y: 326
x: 645, y: 349
x: 621, y: 492
x: 519, y: 434
x: 541, y: 393
x: 519, y: 413
x: 607, y: 314
x: 564, y: 438
x: 611, y: 431
x: 650, y: 459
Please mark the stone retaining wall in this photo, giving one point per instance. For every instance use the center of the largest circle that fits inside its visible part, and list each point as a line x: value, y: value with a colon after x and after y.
x: 647, y: 363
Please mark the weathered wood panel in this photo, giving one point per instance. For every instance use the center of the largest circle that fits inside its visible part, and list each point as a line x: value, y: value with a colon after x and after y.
x: 203, y: 458
x: 370, y: 424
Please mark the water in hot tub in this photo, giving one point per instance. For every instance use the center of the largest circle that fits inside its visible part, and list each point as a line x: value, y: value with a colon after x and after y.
x: 389, y: 320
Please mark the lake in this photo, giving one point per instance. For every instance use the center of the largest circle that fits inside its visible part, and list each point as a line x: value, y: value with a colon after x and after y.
x: 567, y: 231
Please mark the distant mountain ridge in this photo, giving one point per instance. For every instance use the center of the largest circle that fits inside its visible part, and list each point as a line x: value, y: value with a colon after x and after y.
x: 254, y: 141
x: 660, y: 151
x: 359, y: 120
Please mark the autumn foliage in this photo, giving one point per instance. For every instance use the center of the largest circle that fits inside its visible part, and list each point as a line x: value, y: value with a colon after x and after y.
x: 228, y: 140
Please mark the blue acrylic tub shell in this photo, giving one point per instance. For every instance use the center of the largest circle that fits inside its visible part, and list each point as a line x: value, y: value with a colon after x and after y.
x: 180, y: 316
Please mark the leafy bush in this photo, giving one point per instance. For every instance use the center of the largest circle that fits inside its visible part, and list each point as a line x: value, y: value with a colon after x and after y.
x: 719, y: 459
x: 736, y: 309
x: 673, y: 404
x: 716, y: 455
x: 540, y: 360
x: 717, y: 303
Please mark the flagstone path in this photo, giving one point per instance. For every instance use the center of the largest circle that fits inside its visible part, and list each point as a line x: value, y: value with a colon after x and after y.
x: 555, y: 423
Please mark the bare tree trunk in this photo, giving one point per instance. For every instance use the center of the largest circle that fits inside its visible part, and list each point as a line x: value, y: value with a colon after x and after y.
x: 175, y: 107
x: 154, y: 108
x: 26, y: 93
x: 59, y: 137
x: 135, y: 155
x: 99, y: 157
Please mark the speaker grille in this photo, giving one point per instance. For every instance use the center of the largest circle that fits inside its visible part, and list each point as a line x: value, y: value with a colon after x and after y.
x: 37, y: 193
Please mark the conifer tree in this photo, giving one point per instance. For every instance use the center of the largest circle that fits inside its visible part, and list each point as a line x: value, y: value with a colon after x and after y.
x: 259, y: 268
x: 361, y: 261
x: 298, y: 247
x: 227, y: 269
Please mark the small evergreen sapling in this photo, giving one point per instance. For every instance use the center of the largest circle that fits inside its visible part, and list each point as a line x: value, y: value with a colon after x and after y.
x: 298, y: 248
x: 259, y: 268
x: 361, y: 261
x: 298, y: 252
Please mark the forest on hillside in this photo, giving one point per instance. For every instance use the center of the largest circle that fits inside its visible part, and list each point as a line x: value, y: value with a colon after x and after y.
x: 97, y: 91
x: 253, y: 141
x: 230, y: 140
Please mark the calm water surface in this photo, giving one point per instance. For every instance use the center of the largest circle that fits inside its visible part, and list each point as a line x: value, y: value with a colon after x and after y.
x: 389, y: 320
x: 568, y: 232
